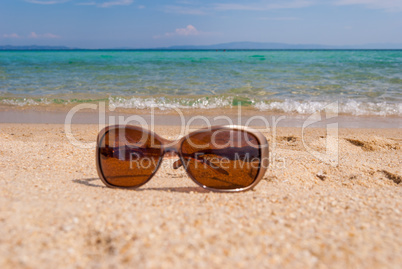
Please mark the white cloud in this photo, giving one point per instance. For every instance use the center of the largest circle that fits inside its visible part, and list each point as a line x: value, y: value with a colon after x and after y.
x: 32, y: 35
x: 116, y: 3
x: 188, y: 31
x: 388, y: 5
x: 47, y: 35
x: 52, y: 2
x: 13, y: 35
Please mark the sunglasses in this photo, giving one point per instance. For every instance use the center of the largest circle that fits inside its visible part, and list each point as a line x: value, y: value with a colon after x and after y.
x: 220, y: 158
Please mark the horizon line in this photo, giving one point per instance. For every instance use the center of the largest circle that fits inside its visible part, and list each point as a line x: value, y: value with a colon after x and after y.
x: 239, y: 45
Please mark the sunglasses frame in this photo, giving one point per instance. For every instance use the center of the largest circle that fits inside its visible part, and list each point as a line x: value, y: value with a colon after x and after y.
x: 169, y: 146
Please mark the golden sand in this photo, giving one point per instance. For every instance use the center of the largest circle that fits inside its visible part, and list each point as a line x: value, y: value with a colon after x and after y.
x: 55, y: 212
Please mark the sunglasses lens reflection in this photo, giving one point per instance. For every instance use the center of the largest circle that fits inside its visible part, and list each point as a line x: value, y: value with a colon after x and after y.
x: 223, y: 158
x: 128, y: 157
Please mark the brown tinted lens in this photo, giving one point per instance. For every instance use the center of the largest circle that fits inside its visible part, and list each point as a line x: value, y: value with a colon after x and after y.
x: 222, y: 159
x: 128, y: 157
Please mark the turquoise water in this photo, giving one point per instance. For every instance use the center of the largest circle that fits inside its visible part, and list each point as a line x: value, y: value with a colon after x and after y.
x: 363, y: 82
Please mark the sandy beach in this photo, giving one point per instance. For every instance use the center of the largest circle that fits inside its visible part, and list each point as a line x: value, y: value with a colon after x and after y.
x: 55, y: 211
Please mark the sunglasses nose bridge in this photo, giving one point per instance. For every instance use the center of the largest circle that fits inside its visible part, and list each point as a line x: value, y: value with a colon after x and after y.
x: 171, y: 148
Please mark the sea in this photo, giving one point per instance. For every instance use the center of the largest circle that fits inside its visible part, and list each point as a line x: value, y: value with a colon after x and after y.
x: 362, y: 82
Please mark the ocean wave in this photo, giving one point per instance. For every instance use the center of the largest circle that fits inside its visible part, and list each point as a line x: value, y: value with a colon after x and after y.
x: 26, y: 102
x: 350, y: 107
x: 165, y: 103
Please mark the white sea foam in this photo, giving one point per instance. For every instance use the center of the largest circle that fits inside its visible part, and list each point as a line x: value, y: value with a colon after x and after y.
x: 349, y: 107
x: 288, y: 106
x: 25, y: 102
x: 165, y: 104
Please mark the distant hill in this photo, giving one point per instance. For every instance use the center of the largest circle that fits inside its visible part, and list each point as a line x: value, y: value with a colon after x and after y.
x: 34, y: 47
x: 223, y: 46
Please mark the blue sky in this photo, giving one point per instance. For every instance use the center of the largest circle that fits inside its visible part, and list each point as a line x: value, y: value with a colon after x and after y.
x: 142, y: 23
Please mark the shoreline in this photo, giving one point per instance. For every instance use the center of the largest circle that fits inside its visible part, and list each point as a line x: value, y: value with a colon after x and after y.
x: 193, y: 116
x: 166, y: 104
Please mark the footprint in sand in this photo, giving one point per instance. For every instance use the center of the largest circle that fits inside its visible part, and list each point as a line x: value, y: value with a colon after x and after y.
x: 391, y: 176
x: 374, y: 143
